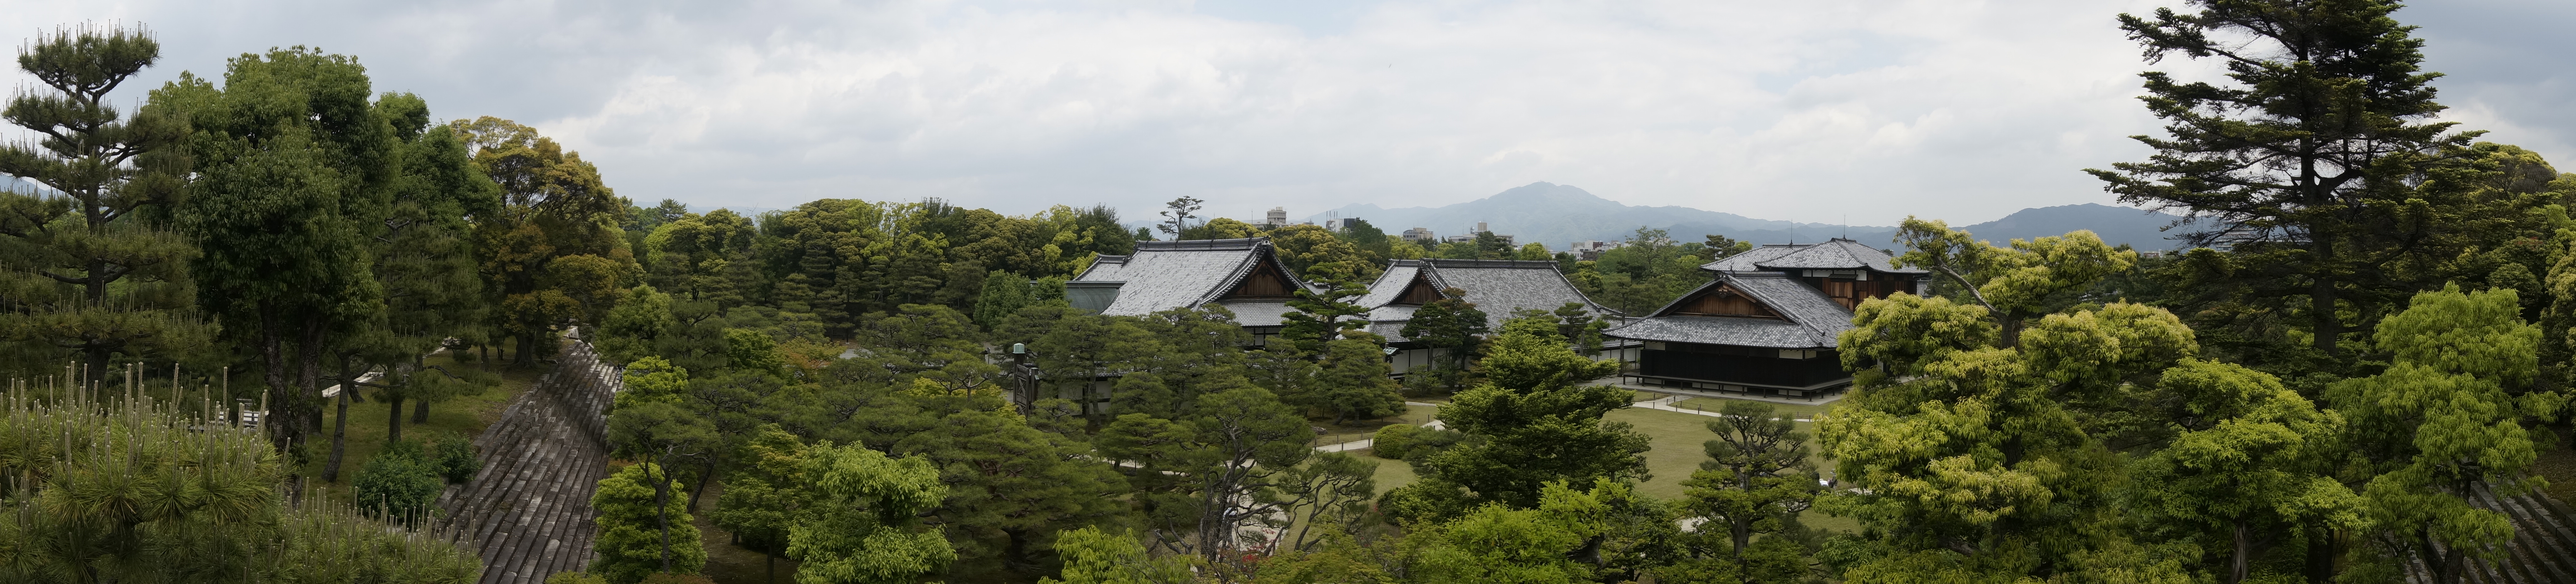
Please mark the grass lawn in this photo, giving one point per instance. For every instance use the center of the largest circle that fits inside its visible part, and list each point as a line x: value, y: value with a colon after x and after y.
x: 464, y: 415
x: 1676, y: 452
x: 2559, y: 466
x: 1364, y: 429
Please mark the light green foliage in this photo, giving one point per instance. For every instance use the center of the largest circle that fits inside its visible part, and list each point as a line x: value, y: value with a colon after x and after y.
x: 1974, y: 461
x: 2247, y: 469
x: 762, y: 502
x: 752, y: 351
x: 125, y: 492
x: 2446, y: 419
x: 866, y: 526
x: 631, y: 533
x: 575, y: 578
x: 1331, y: 492
x: 1494, y: 543
x: 1529, y: 426
x: 1092, y: 556
x: 2017, y: 282
x: 1390, y: 441
x: 652, y: 379
x: 630, y: 330
x: 1320, y: 255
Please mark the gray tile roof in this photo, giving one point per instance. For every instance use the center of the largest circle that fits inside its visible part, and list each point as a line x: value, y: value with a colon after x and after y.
x: 1834, y: 254
x: 1391, y: 283
x: 1497, y: 287
x: 1163, y: 275
x: 1808, y: 318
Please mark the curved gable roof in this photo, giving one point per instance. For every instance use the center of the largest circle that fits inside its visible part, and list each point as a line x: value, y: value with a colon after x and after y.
x: 1163, y: 275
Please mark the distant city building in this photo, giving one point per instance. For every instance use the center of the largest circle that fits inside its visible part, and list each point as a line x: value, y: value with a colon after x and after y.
x: 1591, y: 250
x: 1341, y: 223
x: 1420, y: 234
x: 1278, y: 217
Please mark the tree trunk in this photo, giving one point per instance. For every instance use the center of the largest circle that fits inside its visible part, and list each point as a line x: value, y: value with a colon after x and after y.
x: 2242, y: 563
x: 704, y: 477
x: 2321, y: 303
x: 339, y: 437
x: 420, y: 413
x: 2321, y: 553
x: 527, y: 350
x: 393, y: 416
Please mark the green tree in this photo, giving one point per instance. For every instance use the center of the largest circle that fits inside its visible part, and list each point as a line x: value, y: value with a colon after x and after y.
x: 656, y: 432
x: 698, y: 256
x: 2445, y: 421
x: 642, y: 530
x: 631, y: 329
x: 1972, y: 461
x: 762, y: 504
x: 94, y: 273
x: 1199, y: 477
x: 866, y: 526
x: 1532, y: 423
x: 1369, y: 239
x: 1179, y: 212
x: 2245, y: 472
x: 1454, y: 328
x: 551, y: 253
x: 294, y: 168
x: 398, y: 483
x: 1757, y: 472
x: 2309, y: 162
x: 1321, y: 317
x: 1004, y: 293
x: 1353, y: 381
x: 1092, y: 556
x: 2018, y: 282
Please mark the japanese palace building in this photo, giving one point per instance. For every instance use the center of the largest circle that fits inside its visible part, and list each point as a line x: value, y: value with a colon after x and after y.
x: 1496, y: 287
x: 1243, y: 275
x: 1769, y: 322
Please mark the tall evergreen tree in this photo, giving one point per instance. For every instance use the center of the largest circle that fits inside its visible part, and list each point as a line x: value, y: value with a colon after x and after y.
x: 2311, y: 162
x: 92, y: 270
x: 551, y: 253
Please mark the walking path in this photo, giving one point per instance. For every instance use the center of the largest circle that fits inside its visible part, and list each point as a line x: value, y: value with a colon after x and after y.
x: 529, y: 509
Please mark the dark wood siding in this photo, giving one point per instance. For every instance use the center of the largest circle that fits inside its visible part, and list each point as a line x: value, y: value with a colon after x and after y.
x: 1724, y: 301
x: 1266, y: 281
x: 1742, y: 368
x: 1419, y: 291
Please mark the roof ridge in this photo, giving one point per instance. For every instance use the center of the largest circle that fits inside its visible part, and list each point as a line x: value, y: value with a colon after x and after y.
x: 1237, y: 244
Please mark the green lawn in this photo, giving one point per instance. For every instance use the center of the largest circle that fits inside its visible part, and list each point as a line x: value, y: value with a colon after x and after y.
x: 464, y: 415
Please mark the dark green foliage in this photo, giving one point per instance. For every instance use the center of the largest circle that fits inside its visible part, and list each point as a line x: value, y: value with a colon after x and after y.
x: 1532, y: 424
x: 399, y: 483
x: 1453, y: 326
x: 455, y: 457
x: 1004, y: 293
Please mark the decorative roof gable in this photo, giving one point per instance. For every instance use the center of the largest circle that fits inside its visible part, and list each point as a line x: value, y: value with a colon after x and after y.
x: 1163, y: 275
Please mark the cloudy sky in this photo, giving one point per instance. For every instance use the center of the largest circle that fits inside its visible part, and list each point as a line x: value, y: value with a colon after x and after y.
x: 1809, y: 111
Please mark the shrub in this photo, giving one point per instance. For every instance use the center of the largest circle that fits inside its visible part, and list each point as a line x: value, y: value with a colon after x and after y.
x: 398, y: 483
x: 1390, y: 441
x: 455, y: 458
x: 575, y: 578
x: 629, y: 544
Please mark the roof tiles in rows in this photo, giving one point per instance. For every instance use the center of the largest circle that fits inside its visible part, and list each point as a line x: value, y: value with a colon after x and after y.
x: 1257, y: 311
x: 1834, y: 254
x: 1163, y: 275
x: 1809, y: 319
x: 1497, y: 287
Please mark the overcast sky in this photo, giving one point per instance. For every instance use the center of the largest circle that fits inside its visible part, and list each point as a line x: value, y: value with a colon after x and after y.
x: 1808, y: 111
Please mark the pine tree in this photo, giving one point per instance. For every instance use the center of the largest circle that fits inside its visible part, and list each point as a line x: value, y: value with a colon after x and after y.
x: 92, y: 270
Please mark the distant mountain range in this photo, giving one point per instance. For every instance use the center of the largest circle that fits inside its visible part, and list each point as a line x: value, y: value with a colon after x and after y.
x: 1558, y: 215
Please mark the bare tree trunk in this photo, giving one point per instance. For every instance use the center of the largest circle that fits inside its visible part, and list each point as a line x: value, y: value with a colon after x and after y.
x: 339, y: 438
x: 420, y: 413
x: 2242, y: 563
x: 393, y: 416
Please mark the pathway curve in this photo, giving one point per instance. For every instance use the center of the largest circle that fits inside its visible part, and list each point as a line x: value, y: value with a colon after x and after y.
x: 529, y: 509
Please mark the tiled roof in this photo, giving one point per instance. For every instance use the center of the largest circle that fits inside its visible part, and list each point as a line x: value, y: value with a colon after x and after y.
x: 1744, y: 262
x: 1163, y: 275
x: 1808, y: 318
x: 1834, y: 254
x: 1391, y: 283
x: 1497, y: 287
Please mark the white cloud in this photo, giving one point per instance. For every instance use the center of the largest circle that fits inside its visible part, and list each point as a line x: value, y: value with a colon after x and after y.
x: 1806, y: 111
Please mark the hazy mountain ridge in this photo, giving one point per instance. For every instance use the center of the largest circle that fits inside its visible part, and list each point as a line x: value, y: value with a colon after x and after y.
x: 1560, y: 214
